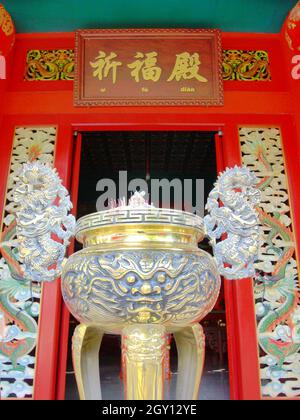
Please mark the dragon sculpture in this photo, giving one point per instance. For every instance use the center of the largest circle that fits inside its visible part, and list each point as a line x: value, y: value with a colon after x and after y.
x: 231, y: 208
x: 30, y: 255
x: 44, y: 204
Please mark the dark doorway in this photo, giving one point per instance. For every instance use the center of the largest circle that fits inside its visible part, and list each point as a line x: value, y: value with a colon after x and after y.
x: 152, y: 155
x: 145, y: 155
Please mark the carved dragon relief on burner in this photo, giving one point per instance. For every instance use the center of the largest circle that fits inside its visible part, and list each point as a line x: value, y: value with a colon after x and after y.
x: 154, y: 287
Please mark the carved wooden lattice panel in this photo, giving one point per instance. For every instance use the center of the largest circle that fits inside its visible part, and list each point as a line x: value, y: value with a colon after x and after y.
x: 19, y: 299
x: 276, y: 286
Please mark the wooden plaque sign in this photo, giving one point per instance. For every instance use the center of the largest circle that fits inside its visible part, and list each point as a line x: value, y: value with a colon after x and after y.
x: 148, y: 67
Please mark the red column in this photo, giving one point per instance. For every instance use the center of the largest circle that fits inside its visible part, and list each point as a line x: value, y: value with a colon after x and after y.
x: 243, y: 357
x: 48, y: 358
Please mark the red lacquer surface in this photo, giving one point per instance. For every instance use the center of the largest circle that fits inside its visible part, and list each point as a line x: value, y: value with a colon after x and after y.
x: 273, y: 103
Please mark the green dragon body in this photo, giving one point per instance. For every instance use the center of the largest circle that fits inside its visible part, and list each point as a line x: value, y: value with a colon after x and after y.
x: 281, y: 286
x: 18, y: 314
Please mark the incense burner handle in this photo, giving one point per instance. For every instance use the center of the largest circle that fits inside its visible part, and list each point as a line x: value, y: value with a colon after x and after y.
x: 44, y: 226
x: 232, y: 222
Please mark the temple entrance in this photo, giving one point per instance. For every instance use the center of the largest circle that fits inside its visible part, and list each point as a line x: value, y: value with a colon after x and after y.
x: 148, y: 156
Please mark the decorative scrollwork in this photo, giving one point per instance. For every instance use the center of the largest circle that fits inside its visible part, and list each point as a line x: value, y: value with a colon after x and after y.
x: 235, y: 255
x: 131, y: 215
x: 50, y: 65
x: 246, y: 66
x: 43, y: 212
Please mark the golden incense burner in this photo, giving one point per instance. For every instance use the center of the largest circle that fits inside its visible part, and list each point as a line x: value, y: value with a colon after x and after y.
x: 140, y: 274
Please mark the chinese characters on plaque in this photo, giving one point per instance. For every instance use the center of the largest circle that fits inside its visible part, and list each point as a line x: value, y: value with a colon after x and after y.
x: 148, y: 67
x: 186, y: 67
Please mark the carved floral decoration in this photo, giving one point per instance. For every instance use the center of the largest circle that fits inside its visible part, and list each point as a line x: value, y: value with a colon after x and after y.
x: 276, y: 282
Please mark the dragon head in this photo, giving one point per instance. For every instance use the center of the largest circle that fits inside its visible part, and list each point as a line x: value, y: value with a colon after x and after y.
x: 38, y: 183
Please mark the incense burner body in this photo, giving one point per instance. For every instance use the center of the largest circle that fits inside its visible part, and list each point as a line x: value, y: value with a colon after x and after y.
x: 140, y: 273
x: 140, y: 267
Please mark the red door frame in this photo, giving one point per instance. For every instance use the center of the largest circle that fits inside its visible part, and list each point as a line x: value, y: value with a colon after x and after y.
x: 266, y: 104
x: 240, y: 311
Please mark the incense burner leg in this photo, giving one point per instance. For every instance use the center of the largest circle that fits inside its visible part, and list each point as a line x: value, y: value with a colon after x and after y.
x: 143, y: 354
x: 190, y: 343
x: 85, y: 351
